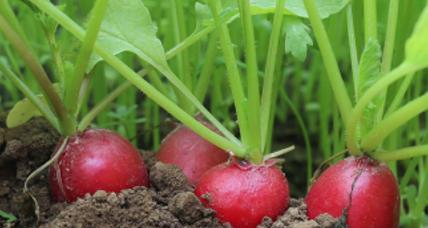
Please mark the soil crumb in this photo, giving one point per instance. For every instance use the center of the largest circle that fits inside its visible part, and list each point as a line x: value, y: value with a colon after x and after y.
x: 295, y: 217
x: 22, y: 150
x: 169, y: 202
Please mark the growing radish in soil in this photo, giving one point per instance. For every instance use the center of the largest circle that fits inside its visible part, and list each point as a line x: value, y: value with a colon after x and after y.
x: 190, y: 152
x: 243, y: 193
x: 90, y: 160
x: 96, y: 160
x: 362, y: 190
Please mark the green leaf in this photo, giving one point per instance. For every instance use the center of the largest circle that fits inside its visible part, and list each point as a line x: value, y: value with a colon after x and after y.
x: 127, y: 26
x: 9, y: 217
x: 369, y: 74
x: 291, y: 7
x: 24, y: 110
x: 297, y: 38
x: 417, y: 44
x: 297, y: 8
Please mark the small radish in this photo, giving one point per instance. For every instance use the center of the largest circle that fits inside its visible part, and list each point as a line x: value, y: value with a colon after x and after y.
x: 242, y: 193
x: 190, y: 152
x: 96, y: 160
x: 362, y: 191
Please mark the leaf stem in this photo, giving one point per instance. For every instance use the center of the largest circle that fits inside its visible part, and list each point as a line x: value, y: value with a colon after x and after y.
x: 378, y: 87
x: 376, y: 136
x: 143, y: 85
x: 370, y: 20
x: 40, y: 75
x: 36, y: 101
x: 207, y: 70
x: 391, y: 27
x: 88, y: 118
x: 336, y: 82
x: 352, y: 47
x: 252, y: 79
x: 234, y: 76
x: 402, y: 154
x: 73, y: 88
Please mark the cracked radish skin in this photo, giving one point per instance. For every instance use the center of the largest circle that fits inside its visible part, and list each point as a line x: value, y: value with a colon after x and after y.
x: 190, y: 152
x: 364, y: 188
x: 243, y: 193
x: 96, y: 160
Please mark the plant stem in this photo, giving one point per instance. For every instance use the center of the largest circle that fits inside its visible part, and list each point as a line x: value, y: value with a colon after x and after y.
x: 35, y: 100
x: 234, y: 77
x: 84, y: 123
x: 40, y: 75
x: 352, y: 47
x: 142, y: 85
x: 207, y: 70
x: 73, y: 88
x: 252, y: 79
x: 402, y: 154
x: 378, y: 87
x: 391, y: 27
x: 336, y: 82
x: 370, y: 20
x: 269, y: 77
x: 399, y: 95
x: 182, y: 60
x: 376, y: 136
x: 8, y: 14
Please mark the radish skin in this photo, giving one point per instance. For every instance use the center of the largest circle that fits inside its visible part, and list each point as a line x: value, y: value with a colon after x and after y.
x: 96, y: 160
x: 363, y: 190
x: 243, y: 193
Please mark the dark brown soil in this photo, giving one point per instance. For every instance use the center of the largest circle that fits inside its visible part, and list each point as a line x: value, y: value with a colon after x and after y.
x: 169, y: 202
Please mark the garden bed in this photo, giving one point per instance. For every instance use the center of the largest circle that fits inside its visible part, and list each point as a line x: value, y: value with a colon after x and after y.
x: 169, y: 202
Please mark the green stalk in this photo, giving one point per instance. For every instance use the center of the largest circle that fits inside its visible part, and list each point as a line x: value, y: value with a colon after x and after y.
x: 73, y: 89
x: 234, y: 77
x: 336, y: 82
x: 402, y: 154
x: 376, y: 136
x: 391, y: 27
x: 183, y: 71
x: 370, y: 20
x: 8, y: 14
x: 88, y: 118
x: 268, y: 81
x: 35, y: 100
x: 352, y: 47
x: 378, y: 87
x: 252, y: 79
x: 399, y: 95
x: 190, y: 40
x: 40, y: 75
x: 207, y: 70
x: 141, y: 84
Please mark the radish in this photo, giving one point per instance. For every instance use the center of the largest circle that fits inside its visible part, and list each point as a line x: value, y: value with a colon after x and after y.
x: 362, y: 190
x: 96, y: 160
x: 243, y: 193
x: 190, y: 152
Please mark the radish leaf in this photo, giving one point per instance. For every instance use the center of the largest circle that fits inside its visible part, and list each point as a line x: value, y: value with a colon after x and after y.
x: 9, y: 217
x: 127, y: 26
x: 369, y: 73
x: 416, y: 45
x: 297, y: 38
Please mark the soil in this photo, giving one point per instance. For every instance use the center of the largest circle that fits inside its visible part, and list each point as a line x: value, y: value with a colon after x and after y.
x: 168, y: 202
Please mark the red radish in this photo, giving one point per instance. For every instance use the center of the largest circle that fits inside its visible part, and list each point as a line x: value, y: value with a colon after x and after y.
x: 96, y: 160
x: 190, y: 152
x: 364, y: 188
x: 243, y: 193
